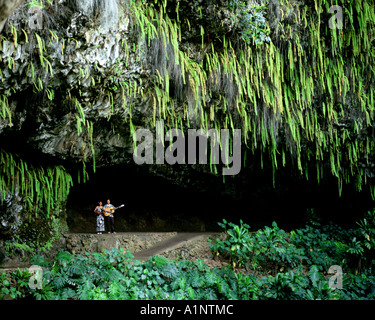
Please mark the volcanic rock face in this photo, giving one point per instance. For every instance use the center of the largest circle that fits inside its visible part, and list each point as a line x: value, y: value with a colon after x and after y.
x: 62, y: 70
x: 6, y: 9
x: 11, y: 210
x: 49, y: 115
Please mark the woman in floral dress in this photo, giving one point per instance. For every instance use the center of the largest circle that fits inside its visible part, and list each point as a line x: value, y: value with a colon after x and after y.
x: 99, y: 218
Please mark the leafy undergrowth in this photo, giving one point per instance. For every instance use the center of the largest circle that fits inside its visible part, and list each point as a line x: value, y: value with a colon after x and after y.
x: 278, y: 265
x: 328, y: 261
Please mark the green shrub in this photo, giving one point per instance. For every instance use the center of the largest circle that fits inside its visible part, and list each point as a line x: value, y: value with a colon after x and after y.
x: 297, y: 286
x: 319, y: 247
x: 16, y: 286
x: 237, y: 245
x: 267, y: 248
x: 274, y: 250
x: 330, y: 244
x: 358, y: 287
x: 250, y: 21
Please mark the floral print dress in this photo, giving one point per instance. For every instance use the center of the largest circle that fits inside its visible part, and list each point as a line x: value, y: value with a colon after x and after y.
x: 100, y: 221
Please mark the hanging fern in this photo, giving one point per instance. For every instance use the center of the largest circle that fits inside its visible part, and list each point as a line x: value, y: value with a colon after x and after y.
x: 4, y: 108
x: 41, y: 189
x: 305, y: 96
x: 289, y: 96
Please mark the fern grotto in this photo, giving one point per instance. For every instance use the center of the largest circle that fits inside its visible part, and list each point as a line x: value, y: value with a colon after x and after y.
x: 148, y: 104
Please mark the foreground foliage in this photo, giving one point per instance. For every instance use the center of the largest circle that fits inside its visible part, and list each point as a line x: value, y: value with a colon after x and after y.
x: 271, y: 248
x: 311, y: 250
x: 299, y: 262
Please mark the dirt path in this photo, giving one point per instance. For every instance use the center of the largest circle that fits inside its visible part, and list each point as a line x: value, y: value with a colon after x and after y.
x: 169, y: 244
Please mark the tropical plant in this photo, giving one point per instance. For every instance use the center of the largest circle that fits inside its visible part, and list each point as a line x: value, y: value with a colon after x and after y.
x: 237, y: 244
x: 252, y: 24
x: 358, y: 287
x: 266, y: 248
x: 319, y: 247
x: 367, y: 229
x: 314, y: 114
x: 296, y: 286
x: 274, y: 250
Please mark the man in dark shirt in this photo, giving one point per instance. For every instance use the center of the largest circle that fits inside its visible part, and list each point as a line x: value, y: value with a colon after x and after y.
x: 110, y: 220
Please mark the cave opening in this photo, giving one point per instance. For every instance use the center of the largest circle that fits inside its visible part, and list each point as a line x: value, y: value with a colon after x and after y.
x: 154, y: 204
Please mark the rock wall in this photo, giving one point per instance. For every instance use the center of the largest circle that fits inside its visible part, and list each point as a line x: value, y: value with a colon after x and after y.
x: 91, y: 243
x: 6, y: 9
x: 81, y: 243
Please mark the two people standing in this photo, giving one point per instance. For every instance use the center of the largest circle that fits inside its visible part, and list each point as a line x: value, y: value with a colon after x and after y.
x: 105, y: 217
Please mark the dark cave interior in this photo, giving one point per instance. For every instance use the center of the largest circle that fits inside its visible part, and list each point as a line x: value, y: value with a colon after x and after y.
x: 153, y: 204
